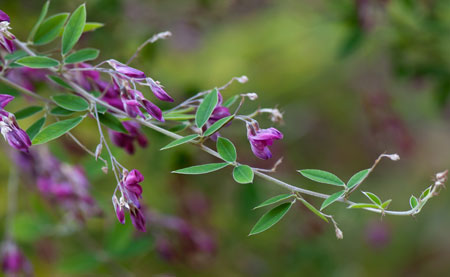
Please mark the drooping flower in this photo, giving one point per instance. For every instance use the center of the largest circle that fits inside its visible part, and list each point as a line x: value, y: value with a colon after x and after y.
x: 126, y: 70
x: 219, y: 112
x: 261, y: 139
x: 9, y: 128
x: 6, y: 38
x: 126, y: 141
x: 158, y: 91
x: 131, y: 193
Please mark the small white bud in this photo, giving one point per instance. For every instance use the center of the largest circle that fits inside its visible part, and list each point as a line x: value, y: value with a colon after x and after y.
x: 243, y: 79
x: 339, y: 234
x: 394, y: 157
x: 98, y: 150
x: 105, y: 169
x: 252, y: 96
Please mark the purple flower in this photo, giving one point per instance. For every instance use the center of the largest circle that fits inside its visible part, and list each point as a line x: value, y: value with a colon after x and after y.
x: 6, y: 37
x: 261, y: 139
x: 9, y: 128
x: 126, y: 70
x: 131, y: 187
x: 13, y: 261
x: 119, y: 210
x: 153, y: 110
x: 126, y: 141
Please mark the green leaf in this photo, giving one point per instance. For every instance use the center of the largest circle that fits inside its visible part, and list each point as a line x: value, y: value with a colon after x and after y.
x: 179, y: 127
x: 201, y: 169
x: 413, y: 202
x: 375, y: 199
x: 425, y: 193
x: 332, y: 198
x: 101, y: 109
x: 230, y: 101
x: 357, y: 178
x: 39, y: 21
x: 29, y: 111
x: 55, y: 130
x: 71, y: 102
x: 59, y: 81
x: 50, y: 29
x: 386, y: 204
x: 178, y: 116
x: 34, y: 129
x: 58, y: 111
x: 180, y: 141
x: 322, y: 176
x: 313, y: 209
x: 206, y: 108
x: 270, y: 218
x: 16, y: 55
x: 92, y: 26
x: 274, y: 200
x: 112, y: 122
x: 243, y: 174
x: 362, y: 206
x: 82, y: 55
x: 226, y: 149
x: 37, y: 62
x: 74, y: 29
x: 217, y: 125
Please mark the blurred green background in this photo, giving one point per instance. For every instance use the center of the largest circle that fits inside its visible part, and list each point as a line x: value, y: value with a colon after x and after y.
x: 353, y: 78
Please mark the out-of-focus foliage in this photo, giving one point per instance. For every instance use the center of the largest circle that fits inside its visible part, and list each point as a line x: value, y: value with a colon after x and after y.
x: 354, y: 78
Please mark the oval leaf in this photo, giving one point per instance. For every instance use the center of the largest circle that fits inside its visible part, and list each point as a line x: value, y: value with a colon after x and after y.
x: 74, y: 29
x: 201, y: 169
x: 375, y: 199
x: 332, y: 198
x: 322, y: 176
x: 270, y: 218
x: 274, y: 200
x: 50, y: 29
x: 71, y: 102
x: 180, y: 141
x: 37, y: 62
x: 112, y: 122
x: 357, y: 178
x: 226, y: 149
x: 386, y: 204
x: 92, y: 26
x: 217, y: 125
x: 58, y: 111
x: 34, y: 129
x: 39, y: 21
x: 230, y: 101
x: 59, y: 81
x: 243, y: 174
x: 56, y: 130
x: 425, y: 193
x: 206, y: 108
x: 29, y: 111
x: 413, y: 201
x: 363, y: 206
x: 178, y: 116
x: 87, y: 54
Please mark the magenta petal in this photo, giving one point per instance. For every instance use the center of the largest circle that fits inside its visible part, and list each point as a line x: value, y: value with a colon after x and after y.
x: 5, y: 99
x: 153, y: 110
x: 134, y: 177
x: 138, y: 220
x: 4, y: 16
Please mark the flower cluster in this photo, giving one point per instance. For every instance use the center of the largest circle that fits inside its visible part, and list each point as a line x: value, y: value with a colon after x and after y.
x: 131, y: 192
x: 6, y: 38
x: 61, y: 183
x: 13, y: 261
x: 126, y: 141
x: 9, y: 128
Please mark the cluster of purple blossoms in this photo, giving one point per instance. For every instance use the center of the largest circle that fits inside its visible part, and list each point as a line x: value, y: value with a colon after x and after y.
x: 13, y: 261
x: 261, y: 139
x: 126, y: 141
x: 9, y: 128
x: 6, y: 38
x: 131, y: 193
x: 60, y: 183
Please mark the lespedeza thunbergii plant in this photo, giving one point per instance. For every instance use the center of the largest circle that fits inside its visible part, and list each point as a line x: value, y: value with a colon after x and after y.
x: 116, y: 96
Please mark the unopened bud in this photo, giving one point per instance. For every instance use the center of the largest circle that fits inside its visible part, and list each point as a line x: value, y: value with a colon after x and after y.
x: 105, y: 169
x: 339, y: 234
x: 243, y: 79
x: 394, y: 157
x: 277, y: 116
x: 252, y: 96
x: 98, y: 150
